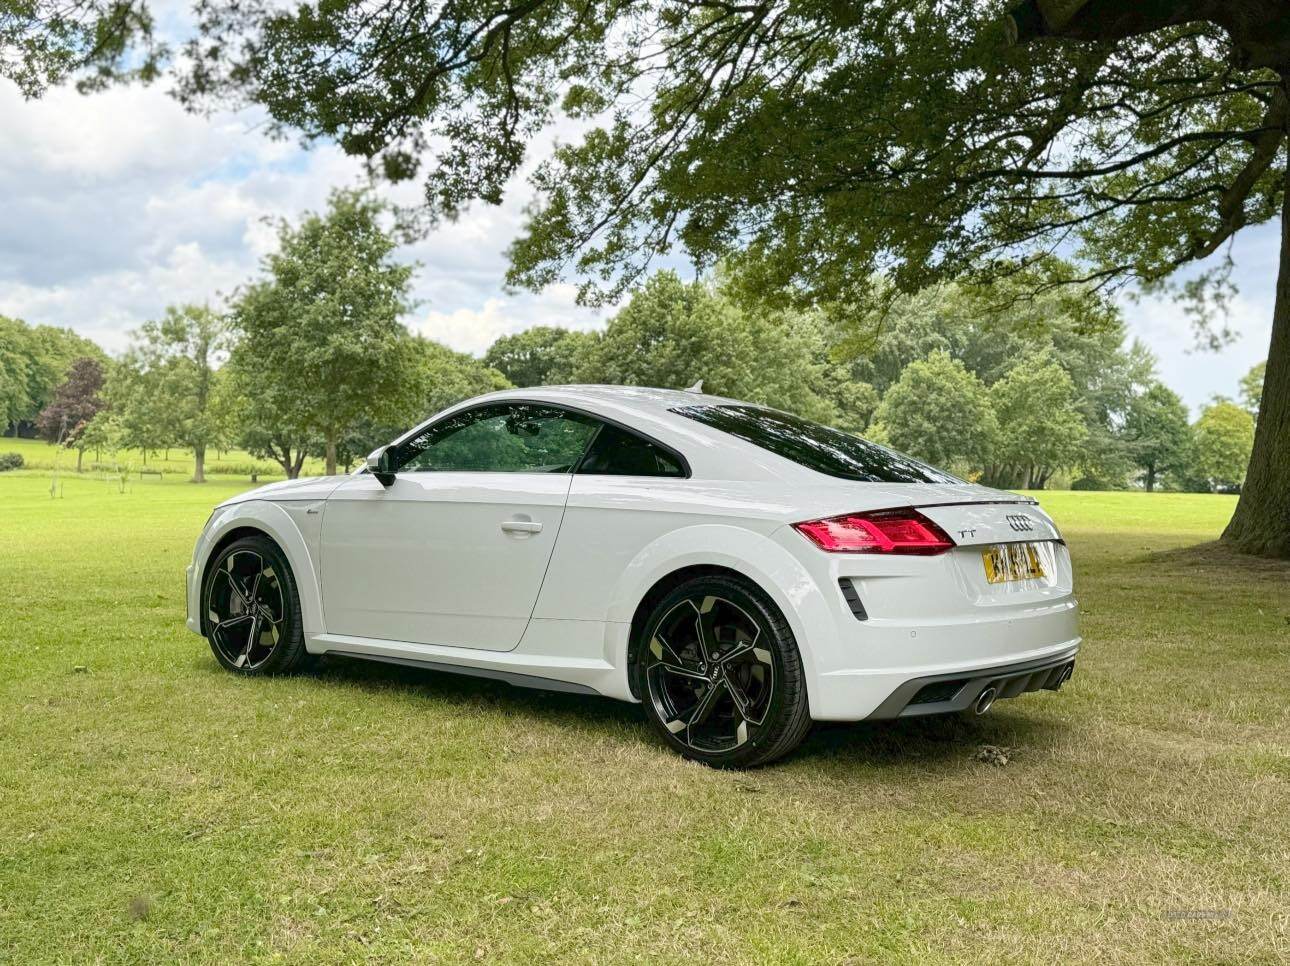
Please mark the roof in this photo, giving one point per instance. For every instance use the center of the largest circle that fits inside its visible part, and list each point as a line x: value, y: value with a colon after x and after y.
x: 650, y: 411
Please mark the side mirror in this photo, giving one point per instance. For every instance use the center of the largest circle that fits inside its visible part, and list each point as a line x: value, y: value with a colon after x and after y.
x: 380, y: 463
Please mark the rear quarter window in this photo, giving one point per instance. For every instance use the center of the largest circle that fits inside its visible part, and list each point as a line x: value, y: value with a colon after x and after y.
x: 817, y: 447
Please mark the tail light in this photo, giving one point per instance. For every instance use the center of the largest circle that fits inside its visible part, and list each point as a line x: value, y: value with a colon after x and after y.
x: 884, y: 531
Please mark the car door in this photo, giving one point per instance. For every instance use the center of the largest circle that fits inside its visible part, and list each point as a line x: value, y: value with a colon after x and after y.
x: 455, y: 551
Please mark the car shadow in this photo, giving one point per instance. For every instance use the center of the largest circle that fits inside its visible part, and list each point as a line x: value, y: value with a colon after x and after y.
x: 936, y: 739
x: 464, y: 690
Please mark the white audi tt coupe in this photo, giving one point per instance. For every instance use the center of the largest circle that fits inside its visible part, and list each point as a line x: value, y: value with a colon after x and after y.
x: 737, y: 570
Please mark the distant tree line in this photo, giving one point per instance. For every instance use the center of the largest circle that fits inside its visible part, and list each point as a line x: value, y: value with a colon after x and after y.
x: 312, y: 359
x: 1010, y: 399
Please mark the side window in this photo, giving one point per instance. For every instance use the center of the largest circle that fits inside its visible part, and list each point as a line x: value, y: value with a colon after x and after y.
x: 617, y: 452
x: 502, y: 438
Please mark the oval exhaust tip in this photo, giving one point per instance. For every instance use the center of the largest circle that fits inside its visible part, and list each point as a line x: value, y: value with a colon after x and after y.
x: 985, y: 700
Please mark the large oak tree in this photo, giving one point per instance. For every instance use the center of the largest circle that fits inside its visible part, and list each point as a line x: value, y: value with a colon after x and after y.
x: 810, y: 142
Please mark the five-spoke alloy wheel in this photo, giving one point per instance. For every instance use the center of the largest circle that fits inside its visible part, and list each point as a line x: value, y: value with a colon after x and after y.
x: 720, y: 675
x: 251, y: 610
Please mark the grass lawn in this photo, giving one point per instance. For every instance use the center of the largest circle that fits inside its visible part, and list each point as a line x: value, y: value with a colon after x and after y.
x: 154, y: 808
x: 39, y: 455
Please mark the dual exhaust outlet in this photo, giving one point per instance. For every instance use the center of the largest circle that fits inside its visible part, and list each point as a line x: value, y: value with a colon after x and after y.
x: 985, y: 700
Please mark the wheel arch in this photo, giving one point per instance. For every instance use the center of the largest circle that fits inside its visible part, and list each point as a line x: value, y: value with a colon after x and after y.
x: 718, y: 549
x: 261, y: 518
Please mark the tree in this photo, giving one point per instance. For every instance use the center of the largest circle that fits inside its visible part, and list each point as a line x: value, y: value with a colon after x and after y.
x: 321, y: 346
x: 940, y: 413
x: 170, y: 393
x: 75, y: 403
x: 103, y: 432
x: 1082, y: 331
x: 1040, y: 428
x: 44, y: 42
x: 15, y: 400
x: 673, y: 334
x: 34, y: 361
x: 1224, y: 435
x: 444, y: 377
x: 1158, y: 430
x: 543, y: 355
x: 141, y: 414
x: 440, y: 378
x: 1252, y: 388
x: 265, y: 420
x: 809, y: 144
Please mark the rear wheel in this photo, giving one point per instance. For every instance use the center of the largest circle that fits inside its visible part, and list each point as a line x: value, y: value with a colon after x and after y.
x: 251, y: 609
x: 720, y: 675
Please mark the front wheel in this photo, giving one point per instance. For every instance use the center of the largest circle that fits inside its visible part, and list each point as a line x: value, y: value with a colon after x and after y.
x: 720, y: 675
x: 251, y: 609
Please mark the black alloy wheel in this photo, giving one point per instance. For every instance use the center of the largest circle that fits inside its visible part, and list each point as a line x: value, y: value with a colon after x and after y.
x: 251, y: 609
x: 720, y: 674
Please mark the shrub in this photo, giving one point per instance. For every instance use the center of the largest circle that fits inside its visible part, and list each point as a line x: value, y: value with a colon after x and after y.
x: 1089, y: 483
x: 10, y: 461
x: 243, y: 469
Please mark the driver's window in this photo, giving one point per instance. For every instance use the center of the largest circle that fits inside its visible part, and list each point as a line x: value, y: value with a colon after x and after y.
x: 501, y: 438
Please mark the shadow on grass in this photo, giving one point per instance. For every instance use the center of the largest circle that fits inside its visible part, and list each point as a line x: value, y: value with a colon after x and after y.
x: 1214, y: 556
x: 940, y: 739
x: 467, y: 691
x: 936, y: 739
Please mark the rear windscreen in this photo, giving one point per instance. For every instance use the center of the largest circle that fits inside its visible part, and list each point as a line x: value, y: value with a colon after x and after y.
x: 816, y: 447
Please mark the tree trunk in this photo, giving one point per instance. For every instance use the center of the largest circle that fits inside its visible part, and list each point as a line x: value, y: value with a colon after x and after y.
x: 199, y: 464
x: 1151, y: 478
x: 331, y: 456
x: 299, y: 462
x: 80, y: 455
x: 1261, y: 523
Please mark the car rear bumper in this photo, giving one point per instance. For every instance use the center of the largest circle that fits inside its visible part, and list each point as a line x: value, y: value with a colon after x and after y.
x: 959, y: 691
x: 855, y: 694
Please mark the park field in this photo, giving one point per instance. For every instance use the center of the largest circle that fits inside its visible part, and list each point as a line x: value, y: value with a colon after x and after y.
x: 155, y: 809
x: 233, y: 463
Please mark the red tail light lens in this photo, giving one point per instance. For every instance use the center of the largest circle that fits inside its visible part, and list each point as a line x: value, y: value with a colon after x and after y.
x: 885, y: 531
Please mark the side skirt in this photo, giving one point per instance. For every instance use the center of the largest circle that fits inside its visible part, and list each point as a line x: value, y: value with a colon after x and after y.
x: 577, y: 675
x: 510, y: 677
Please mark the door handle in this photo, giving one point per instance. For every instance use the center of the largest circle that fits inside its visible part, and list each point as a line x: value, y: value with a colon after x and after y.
x: 521, y: 526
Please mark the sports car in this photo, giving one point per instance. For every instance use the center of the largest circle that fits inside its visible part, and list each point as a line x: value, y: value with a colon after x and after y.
x: 739, y: 571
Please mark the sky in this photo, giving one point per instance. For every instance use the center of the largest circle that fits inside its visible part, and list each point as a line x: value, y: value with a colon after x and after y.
x: 115, y: 205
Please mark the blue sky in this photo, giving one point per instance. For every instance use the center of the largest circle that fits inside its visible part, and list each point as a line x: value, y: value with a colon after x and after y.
x: 119, y: 204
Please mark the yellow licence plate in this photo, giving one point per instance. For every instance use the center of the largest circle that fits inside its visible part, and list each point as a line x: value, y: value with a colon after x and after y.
x: 1012, y: 561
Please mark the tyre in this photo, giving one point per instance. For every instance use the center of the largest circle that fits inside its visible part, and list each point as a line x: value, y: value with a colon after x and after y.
x: 720, y: 676
x: 251, y: 609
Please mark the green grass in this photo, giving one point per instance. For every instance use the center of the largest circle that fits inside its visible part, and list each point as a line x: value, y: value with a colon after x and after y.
x: 154, y: 808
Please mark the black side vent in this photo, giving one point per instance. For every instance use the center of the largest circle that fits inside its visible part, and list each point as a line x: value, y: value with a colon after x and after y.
x: 853, y: 599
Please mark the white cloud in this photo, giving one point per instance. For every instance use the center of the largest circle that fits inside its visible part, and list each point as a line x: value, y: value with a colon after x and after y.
x: 475, y: 329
